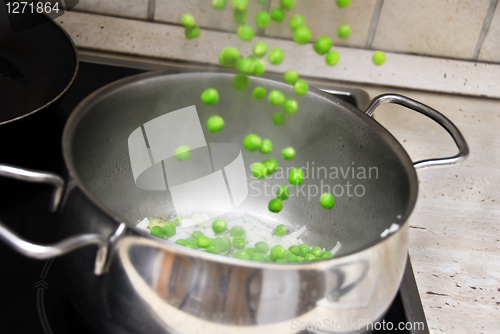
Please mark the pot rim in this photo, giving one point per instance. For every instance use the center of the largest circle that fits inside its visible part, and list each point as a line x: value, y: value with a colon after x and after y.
x: 85, y: 105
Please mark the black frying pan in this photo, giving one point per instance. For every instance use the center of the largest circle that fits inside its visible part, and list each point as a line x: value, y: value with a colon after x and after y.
x: 38, y: 63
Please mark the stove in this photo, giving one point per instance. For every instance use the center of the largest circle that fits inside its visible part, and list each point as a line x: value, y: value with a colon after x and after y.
x: 32, y: 294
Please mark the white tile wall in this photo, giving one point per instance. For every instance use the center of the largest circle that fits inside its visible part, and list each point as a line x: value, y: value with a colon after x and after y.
x: 125, y: 8
x: 443, y: 28
x: 448, y: 28
x: 171, y: 11
x: 323, y: 17
x: 490, y: 51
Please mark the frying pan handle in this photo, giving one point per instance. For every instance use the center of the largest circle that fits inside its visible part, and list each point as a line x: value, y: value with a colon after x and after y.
x: 62, y: 247
x: 463, y: 148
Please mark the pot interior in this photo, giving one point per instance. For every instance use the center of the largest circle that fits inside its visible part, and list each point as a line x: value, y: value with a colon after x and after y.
x: 120, y: 142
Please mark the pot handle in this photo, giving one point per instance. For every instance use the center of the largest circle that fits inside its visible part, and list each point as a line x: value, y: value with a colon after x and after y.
x: 62, y: 247
x: 463, y: 148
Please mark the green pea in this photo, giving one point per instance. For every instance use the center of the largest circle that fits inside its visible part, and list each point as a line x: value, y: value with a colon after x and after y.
x: 259, y: 67
x: 245, y: 32
x: 259, y: 93
x: 188, y: 20
x: 278, y: 252
x: 246, y: 252
x: 242, y: 256
x: 245, y: 65
x: 297, y: 21
x: 332, y: 58
x: 316, y: 251
x: 282, y: 260
x: 276, y: 56
x: 280, y: 230
x: 279, y: 118
x: 277, y: 14
x: 302, y: 35
x: 296, y: 176
x: 275, y: 205
x: 276, y: 98
x: 215, y: 124
x: 327, y: 255
x: 219, y: 226
x: 229, y: 56
x: 181, y: 242
x: 266, y: 147
x: 304, y: 249
x: 263, y: 19
x: 249, y: 250
x: 261, y: 247
x: 378, y: 58
x: 287, y: 4
x: 204, y: 242
x: 240, y: 4
x: 210, y: 96
x: 291, y: 77
x: 344, y: 31
x: 288, y: 153
x: 291, y: 106
x: 268, y: 258
x: 225, y: 244
x: 157, y: 231
x: 241, y: 81
x: 294, y: 250
x: 327, y: 201
x: 213, y: 248
x: 219, y: 4
x: 240, y: 16
x: 169, y: 229
x: 237, y: 231
x: 196, y: 234
x: 343, y: 3
x: 309, y: 257
x: 291, y: 257
x: 239, y: 242
x: 182, y: 153
x: 259, y: 170
x: 260, y: 49
x: 258, y: 257
x: 192, y: 32
x: 252, y: 142
x: 323, y: 45
x: 218, y: 242
x: 283, y: 193
x: 191, y: 243
x: 271, y: 165
x: 301, y: 87
x: 300, y: 259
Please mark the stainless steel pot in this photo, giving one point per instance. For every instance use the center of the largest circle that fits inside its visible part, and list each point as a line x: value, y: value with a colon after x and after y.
x: 143, y: 284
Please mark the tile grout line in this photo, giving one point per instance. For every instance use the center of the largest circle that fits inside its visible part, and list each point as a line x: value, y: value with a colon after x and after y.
x: 261, y: 32
x: 151, y: 10
x: 485, y: 28
x: 374, y: 23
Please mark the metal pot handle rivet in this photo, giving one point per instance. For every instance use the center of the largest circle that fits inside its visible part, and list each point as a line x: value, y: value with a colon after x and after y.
x: 62, y: 247
x: 463, y: 148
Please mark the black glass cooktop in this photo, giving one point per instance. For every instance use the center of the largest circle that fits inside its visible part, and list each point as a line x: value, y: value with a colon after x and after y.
x: 32, y: 295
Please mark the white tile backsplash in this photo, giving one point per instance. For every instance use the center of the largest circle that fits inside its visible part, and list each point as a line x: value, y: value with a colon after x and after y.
x: 323, y: 17
x: 490, y: 51
x: 448, y: 28
x: 171, y: 11
x: 125, y: 8
x: 442, y: 28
